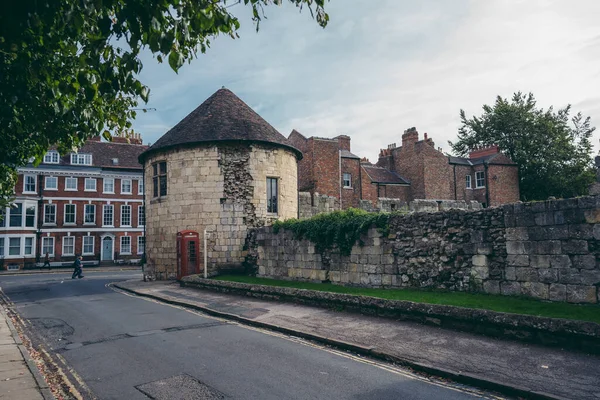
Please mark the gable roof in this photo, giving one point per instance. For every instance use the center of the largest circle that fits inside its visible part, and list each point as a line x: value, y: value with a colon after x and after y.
x: 223, y: 117
x: 497, y: 159
x: 384, y: 176
x: 103, y: 154
x: 347, y: 154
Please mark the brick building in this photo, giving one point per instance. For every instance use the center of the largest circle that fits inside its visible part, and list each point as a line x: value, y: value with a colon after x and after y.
x: 88, y: 203
x: 414, y: 170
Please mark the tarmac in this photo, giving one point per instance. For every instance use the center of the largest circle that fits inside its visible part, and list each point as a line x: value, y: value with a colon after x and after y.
x: 512, y: 368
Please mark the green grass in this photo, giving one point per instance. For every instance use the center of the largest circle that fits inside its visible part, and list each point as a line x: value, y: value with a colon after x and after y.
x: 515, y: 305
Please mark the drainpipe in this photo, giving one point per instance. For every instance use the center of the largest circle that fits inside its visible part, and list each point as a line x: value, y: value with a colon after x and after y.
x: 487, y: 184
x: 359, y: 181
x: 341, y: 176
x: 145, y: 219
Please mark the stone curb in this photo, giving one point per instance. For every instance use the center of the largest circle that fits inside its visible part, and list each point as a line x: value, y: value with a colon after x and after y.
x: 39, y: 379
x: 459, y: 377
x: 63, y: 270
x: 578, y: 335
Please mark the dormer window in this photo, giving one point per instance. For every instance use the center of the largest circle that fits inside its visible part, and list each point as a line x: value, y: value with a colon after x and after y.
x: 81, y: 159
x: 51, y: 157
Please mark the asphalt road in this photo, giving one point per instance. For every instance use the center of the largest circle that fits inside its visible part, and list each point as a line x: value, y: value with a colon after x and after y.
x: 125, y: 347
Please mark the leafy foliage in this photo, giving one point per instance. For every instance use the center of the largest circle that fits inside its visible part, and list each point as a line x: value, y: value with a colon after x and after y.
x: 68, y: 68
x: 552, y: 150
x: 339, y: 228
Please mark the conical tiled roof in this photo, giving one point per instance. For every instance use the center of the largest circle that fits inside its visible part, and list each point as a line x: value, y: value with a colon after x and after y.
x: 222, y: 117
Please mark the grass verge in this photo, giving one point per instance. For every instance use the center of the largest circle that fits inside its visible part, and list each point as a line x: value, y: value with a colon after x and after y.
x: 514, y: 305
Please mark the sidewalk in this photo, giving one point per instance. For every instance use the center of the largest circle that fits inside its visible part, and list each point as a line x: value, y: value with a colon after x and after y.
x: 513, y: 368
x: 19, y: 376
x: 69, y: 270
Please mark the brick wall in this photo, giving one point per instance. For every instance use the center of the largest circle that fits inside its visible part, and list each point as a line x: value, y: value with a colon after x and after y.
x: 545, y: 250
x: 326, y: 166
x: 351, y: 196
x: 438, y: 176
x: 504, y: 184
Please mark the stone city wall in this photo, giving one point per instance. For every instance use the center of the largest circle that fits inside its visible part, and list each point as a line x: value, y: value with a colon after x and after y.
x: 545, y: 250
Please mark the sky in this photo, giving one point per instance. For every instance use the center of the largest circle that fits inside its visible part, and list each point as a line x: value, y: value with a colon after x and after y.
x: 380, y: 67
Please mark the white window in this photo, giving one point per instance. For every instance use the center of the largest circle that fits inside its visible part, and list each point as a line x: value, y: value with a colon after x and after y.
x: 71, y: 184
x: 125, y: 244
x: 347, y: 180
x: 125, y: 186
x: 28, y: 246
x: 479, y: 179
x: 468, y: 181
x: 140, y: 186
x: 88, y: 245
x: 141, y: 216
x: 109, y: 185
x: 16, y: 215
x: 90, y: 214
x: 29, y: 185
x: 125, y: 215
x: 68, y: 248
x: 141, y: 245
x: 107, y: 215
x: 51, y: 157
x: 14, y: 246
x: 1, y: 247
x: 51, y: 183
x: 49, y: 213
x: 272, y: 195
x: 70, y: 213
x: 81, y: 159
x: 30, y: 215
x: 48, y: 246
x: 90, y: 184
x: 16, y: 218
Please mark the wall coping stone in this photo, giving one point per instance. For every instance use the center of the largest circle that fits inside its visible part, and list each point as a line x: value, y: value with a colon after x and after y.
x: 580, y: 335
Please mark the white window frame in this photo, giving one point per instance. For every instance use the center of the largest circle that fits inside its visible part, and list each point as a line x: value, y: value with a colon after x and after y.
x: 46, y: 187
x: 141, y: 213
x: 121, y: 245
x: 85, y: 213
x: 67, y: 188
x: 51, y: 157
x: 349, y: 185
x: 44, y: 220
x: 477, y: 179
x: 81, y: 159
x: 123, y: 208
x: 83, y: 239
x: 130, y: 186
x: 85, y: 185
x: 74, y: 214
x: 32, y: 250
x: 20, y: 250
x: 468, y: 183
x: 45, y: 239
x: 5, y: 246
x: 141, y: 239
x: 2, y: 247
x: 7, y: 212
x: 140, y: 186
x: 64, y: 240
x: 112, y: 215
x: 25, y: 184
x: 112, y: 182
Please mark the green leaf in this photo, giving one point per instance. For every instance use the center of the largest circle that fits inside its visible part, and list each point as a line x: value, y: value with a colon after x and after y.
x: 175, y: 60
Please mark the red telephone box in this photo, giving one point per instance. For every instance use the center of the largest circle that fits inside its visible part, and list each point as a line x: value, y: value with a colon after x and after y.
x: 188, y: 262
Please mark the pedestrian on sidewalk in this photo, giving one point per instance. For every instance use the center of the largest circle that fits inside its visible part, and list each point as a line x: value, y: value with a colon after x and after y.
x: 78, y: 269
x: 46, y: 261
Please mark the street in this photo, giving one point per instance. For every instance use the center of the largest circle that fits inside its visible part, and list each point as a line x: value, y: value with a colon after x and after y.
x: 120, y: 346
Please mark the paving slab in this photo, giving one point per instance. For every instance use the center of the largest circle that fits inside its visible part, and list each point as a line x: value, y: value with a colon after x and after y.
x: 531, y: 370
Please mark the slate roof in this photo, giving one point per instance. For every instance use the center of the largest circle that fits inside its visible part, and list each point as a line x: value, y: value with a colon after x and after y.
x: 222, y: 117
x: 347, y: 154
x: 497, y: 158
x: 103, y: 154
x: 384, y: 176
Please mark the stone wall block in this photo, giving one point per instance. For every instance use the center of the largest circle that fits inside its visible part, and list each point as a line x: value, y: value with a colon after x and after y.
x: 581, y: 231
x: 592, y: 216
x: 485, y: 249
x: 525, y: 219
x: 560, y: 261
x: 480, y: 260
x: 547, y: 247
x: 584, y: 261
x: 590, y: 277
x: 480, y: 273
x: 517, y: 234
x: 510, y: 274
x: 539, y: 261
x: 575, y: 216
x: 535, y: 289
x: 557, y: 292
x: 581, y: 294
x: 569, y: 276
x: 510, y: 288
x: 548, y: 275
x: 491, y: 287
x: 517, y: 260
x: 527, y: 274
x: 518, y: 247
x: 586, y: 202
x: 575, y: 247
x: 544, y: 218
x: 559, y: 217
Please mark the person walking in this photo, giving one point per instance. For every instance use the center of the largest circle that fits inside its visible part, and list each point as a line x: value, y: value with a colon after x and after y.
x: 78, y: 269
x: 46, y: 261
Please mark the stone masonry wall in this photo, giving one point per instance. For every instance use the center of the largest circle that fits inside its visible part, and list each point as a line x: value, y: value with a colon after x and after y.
x: 547, y: 250
x: 218, y: 188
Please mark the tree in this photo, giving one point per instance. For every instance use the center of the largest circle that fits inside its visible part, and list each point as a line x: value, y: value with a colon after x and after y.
x: 552, y: 150
x: 68, y: 68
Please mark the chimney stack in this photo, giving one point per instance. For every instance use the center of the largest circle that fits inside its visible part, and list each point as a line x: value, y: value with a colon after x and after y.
x: 344, y: 142
x: 484, y: 151
x: 410, y: 137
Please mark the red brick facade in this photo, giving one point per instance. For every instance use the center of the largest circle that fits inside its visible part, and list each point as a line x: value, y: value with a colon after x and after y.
x: 67, y: 200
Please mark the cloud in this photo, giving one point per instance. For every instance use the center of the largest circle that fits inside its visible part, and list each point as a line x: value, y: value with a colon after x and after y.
x: 381, y: 67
